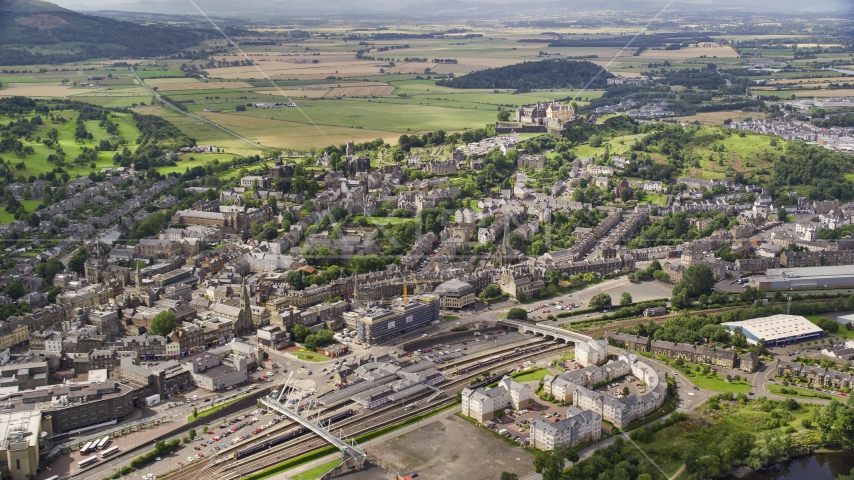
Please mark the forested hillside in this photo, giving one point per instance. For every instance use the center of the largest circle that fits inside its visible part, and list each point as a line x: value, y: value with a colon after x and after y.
x: 35, y: 23
x: 530, y: 75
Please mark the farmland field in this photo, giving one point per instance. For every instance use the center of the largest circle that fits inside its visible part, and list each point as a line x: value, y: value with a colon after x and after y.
x: 169, y: 86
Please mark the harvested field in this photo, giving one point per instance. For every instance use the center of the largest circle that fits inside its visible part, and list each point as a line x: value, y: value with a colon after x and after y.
x: 167, y: 87
x: 290, y: 134
x: 361, y: 91
x: 42, y: 90
x: 717, y: 118
x: 293, y: 92
x: 690, y: 52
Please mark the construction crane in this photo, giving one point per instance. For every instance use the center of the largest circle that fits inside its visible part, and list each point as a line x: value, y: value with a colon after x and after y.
x: 418, y: 282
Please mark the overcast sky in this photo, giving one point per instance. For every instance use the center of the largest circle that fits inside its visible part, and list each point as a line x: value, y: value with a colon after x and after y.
x: 421, y: 7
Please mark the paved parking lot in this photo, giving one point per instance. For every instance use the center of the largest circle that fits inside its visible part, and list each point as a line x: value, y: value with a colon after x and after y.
x: 518, y: 424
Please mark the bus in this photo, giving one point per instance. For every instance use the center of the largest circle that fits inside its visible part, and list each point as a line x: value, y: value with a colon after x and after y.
x: 87, y: 462
x: 106, y: 453
x: 103, y: 443
x: 86, y: 448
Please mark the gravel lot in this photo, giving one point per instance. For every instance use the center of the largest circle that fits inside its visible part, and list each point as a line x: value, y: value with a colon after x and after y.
x: 451, y: 448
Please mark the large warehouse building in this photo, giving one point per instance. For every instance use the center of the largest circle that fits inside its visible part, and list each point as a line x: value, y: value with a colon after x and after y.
x: 804, y: 278
x: 777, y: 329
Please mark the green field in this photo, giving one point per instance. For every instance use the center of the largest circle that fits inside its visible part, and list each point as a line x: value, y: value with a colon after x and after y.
x: 37, y: 163
x: 717, y: 384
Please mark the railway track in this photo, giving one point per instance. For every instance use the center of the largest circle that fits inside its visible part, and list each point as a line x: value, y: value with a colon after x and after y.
x: 225, y: 467
x: 473, y: 361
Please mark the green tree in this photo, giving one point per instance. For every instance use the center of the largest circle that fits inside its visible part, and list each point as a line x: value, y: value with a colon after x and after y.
x: 782, y: 215
x: 491, y: 291
x: 509, y: 476
x: 164, y: 323
x: 850, y: 476
x: 47, y: 270
x: 661, y: 276
x: 741, y: 443
x: 697, y: 280
x: 626, y: 299
x: 15, y: 290
x: 600, y: 301
x: 195, y: 414
x: 273, y: 202
x: 77, y: 262
x: 52, y: 293
x: 549, y: 463
x: 517, y: 314
x: 300, y: 332
x: 503, y: 116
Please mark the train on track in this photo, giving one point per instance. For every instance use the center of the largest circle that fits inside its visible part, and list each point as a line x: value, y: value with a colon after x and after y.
x: 500, y: 358
x: 291, y: 435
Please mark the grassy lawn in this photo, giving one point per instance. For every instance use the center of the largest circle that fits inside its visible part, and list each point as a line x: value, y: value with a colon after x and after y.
x: 570, y: 355
x: 711, y: 381
x: 209, y: 411
x: 317, y: 471
x: 450, y: 317
x: 530, y: 376
x: 798, y: 392
x: 310, y: 356
x: 653, y: 198
x: 718, y: 384
x: 9, y: 217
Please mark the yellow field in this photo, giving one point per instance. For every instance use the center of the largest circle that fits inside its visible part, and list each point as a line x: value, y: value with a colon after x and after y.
x: 690, y: 52
x: 165, y: 87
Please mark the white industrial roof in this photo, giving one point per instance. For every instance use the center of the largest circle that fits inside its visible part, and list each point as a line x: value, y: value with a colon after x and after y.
x: 776, y: 326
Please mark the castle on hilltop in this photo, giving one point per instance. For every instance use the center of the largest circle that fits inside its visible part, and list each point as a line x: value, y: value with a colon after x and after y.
x: 550, y: 113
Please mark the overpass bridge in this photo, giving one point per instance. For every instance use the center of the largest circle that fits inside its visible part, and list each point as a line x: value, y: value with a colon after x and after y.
x: 546, y: 331
x: 352, y: 457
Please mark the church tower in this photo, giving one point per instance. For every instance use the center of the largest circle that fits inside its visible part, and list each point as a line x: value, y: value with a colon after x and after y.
x: 244, y: 323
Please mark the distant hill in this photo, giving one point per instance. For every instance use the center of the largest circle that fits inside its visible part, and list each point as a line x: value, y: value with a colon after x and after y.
x: 529, y: 75
x: 48, y: 27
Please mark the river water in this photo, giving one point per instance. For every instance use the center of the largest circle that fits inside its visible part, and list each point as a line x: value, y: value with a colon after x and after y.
x: 840, y: 70
x: 821, y: 466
